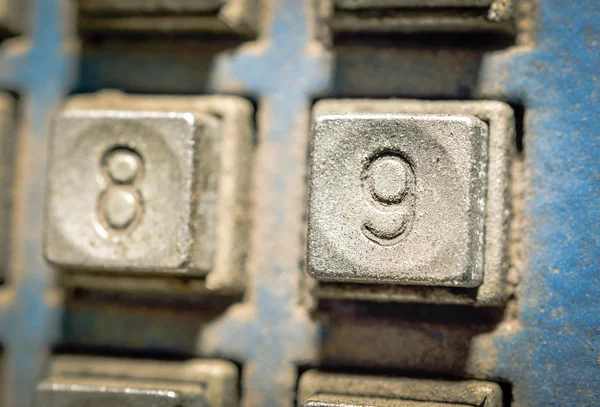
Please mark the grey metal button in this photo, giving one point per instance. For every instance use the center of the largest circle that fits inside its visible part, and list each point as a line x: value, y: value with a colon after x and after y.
x: 97, y: 394
x: 398, y: 199
x: 156, y: 190
x: 372, y: 4
x: 501, y: 133
x: 123, y: 165
x: 7, y: 168
x: 150, y: 6
x: 239, y: 17
x: 99, y: 382
x: 384, y: 16
x: 79, y: 196
x: 326, y: 400
x: 13, y: 14
x: 321, y: 389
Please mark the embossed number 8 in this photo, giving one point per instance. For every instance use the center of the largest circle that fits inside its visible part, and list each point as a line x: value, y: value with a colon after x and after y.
x: 120, y: 206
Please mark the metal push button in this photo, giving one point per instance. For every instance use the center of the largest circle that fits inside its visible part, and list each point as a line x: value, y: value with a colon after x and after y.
x: 161, y: 190
x: 13, y: 17
x: 100, y: 218
x: 99, y: 382
x: 353, y: 401
x: 323, y: 389
x: 8, y: 144
x: 398, y: 198
x: 97, y: 394
x: 226, y: 17
x: 414, y: 16
x: 370, y: 4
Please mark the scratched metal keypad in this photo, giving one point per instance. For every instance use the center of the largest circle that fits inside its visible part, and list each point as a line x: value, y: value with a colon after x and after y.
x: 398, y: 198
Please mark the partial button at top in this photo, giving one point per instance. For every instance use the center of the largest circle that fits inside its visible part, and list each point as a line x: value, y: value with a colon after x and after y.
x: 13, y: 17
x: 222, y: 17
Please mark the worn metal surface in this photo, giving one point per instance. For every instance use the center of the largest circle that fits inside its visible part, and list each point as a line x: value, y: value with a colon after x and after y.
x: 105, y: 393
x: 82, y: 196
x: 472, y: 393
x: 93, y: 381
x: 500, y: 119
x: 398, y: 199
x: 169, y: 16
x: 343, y: 401
x: 186, y: 210
x: 541, y: 348
x: 388, y: 16
x: 149, y: 6
x: 8, y: 149
x: 371, y: 4
x: 14, y: 17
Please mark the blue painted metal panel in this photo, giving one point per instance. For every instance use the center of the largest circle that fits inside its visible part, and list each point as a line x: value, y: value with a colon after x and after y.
x: 555, y: 359
x: 549, y: 354
x: 40, y: 71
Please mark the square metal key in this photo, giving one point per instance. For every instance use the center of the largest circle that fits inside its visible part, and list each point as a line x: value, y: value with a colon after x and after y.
x: 398, y: 198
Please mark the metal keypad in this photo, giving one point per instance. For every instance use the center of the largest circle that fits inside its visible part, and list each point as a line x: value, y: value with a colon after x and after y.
x: 152, y: 190
x: 398, y: 199
x: 322, y: 389
x: 413, y: 16
x: 238, y: 17
x: 408, y: 193
x: 7, y: 174
x: 345, y: 401
x: 96, y: 382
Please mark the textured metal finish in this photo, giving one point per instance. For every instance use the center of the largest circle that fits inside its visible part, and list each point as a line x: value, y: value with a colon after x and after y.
x: 164, y: 208
x: 8, y: 141
x: 14, y: 17
x: 542, y: 349
x: 398, y: 199
x: 99, y: 393
x: 149, y: 6
x: 500, y: 120
x: 344, y: 401
x: 93, y: 381
x: 386, y: 16
x: 372, y: 4
x: 174, y: 16
x: 471, y: 393
x: 80, y: 193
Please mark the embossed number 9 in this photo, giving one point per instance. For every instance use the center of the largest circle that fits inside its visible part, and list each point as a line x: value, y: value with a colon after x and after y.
x: 389, y: 188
